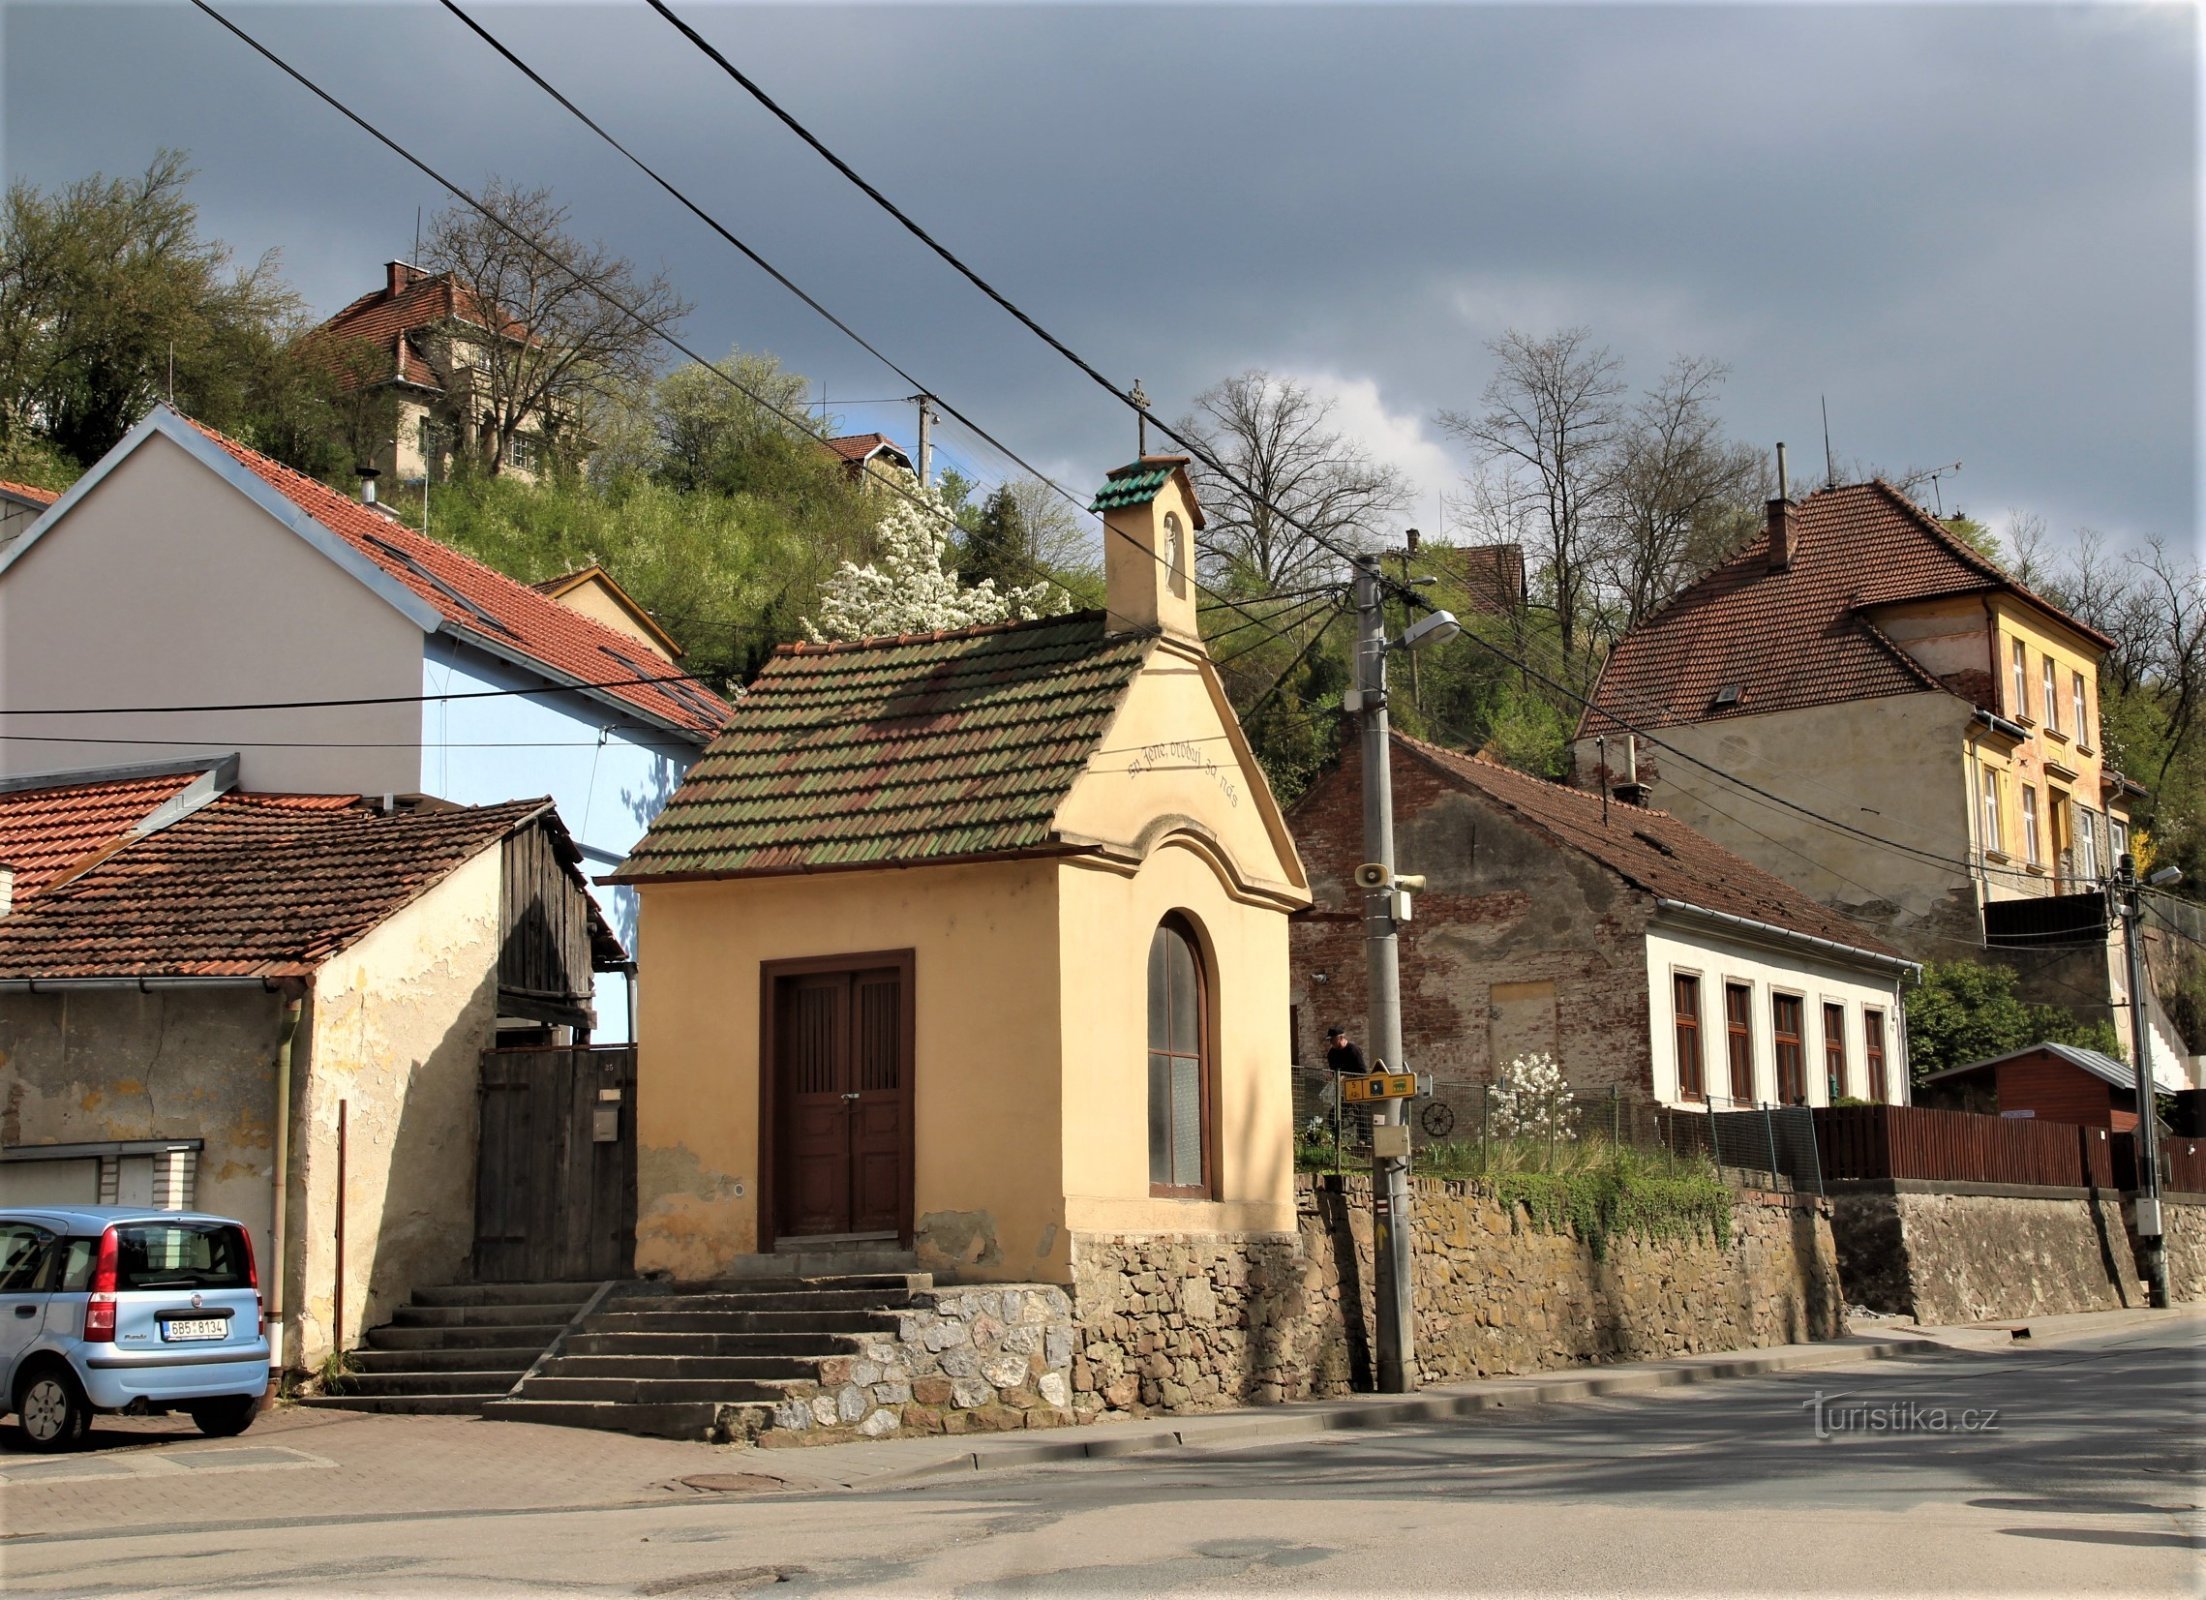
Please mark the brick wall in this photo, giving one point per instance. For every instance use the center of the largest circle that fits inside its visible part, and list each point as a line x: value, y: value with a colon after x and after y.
x: 1504, y: 907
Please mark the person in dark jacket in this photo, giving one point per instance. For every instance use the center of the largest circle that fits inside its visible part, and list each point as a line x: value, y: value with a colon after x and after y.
x: 1345, y: 1057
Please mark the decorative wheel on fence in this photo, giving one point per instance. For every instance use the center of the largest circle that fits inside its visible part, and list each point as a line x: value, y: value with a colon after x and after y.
x: 1437, y: 1118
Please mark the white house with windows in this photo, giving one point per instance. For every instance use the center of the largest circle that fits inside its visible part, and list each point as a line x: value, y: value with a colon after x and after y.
x: 190, y: 596
x: 1646, y: 960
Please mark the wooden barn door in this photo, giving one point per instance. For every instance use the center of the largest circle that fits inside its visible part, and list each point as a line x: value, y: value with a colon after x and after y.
x: 555, y: 1171
x: 837, y: 1097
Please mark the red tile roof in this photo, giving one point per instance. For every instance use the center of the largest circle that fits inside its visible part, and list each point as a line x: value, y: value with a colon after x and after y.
x: 1804, y: 636
x: 856, y: 449
x: 249, y: 886
x: 1649, y: 849
x: 44, y: 832
x: 485, y: 604
x: 383, y: 321
x: 23, y: 491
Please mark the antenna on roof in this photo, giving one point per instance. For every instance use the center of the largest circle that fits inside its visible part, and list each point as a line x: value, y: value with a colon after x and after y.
x: 1932, y: 475
x: 416, y: 260
x: 1830, y: 467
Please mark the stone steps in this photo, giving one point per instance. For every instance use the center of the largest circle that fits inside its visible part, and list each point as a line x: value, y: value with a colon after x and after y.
x: 710, y: 1344
x: 393, y: 1337
x: 455, y: 1348
x: 674, y: 1319
x: 709, y: 1360
x: 689, y: 1366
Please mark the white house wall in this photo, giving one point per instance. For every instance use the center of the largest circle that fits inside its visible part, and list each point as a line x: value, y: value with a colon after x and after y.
x: 511, y: 747
x: 164, y: 586
x: 1673, y: 947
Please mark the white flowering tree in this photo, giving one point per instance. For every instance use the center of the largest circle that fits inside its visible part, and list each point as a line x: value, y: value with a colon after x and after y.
x: 908, y: 590
x: 1531, y: 1099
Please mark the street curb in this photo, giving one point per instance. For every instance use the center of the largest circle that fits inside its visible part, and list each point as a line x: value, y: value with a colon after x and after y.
x: 1241, y: 1428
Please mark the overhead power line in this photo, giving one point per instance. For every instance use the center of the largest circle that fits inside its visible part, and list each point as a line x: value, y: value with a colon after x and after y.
x: 783, y: 279
x: 599, y: 288
x: 1125, y: 397
x: 1401, y: 590
x: 353, y: 700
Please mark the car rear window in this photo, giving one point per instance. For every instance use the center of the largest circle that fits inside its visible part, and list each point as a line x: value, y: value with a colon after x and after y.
x: 180, y: 1255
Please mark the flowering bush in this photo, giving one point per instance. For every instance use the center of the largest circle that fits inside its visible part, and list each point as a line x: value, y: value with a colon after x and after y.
x: 1531, y: 1099
x: 908, y: 591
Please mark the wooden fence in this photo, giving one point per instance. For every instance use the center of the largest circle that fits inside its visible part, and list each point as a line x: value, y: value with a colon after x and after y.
x: 1962, y: 1147
x: 2183, y: 1165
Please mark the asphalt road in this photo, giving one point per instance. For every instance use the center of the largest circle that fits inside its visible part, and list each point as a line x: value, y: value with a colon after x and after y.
x: 2072, y: 1469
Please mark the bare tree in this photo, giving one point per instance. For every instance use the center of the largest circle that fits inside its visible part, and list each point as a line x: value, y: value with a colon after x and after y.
x: 1678, y: 496
x: 1307, y: 483
x: 539, y: 328
x: 1542, y: 448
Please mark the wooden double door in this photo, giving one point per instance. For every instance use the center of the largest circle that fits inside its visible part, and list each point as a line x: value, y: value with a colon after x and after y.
x: 838, y: 1098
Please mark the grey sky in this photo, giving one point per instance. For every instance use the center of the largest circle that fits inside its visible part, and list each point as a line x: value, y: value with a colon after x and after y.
x: 1974, y: 228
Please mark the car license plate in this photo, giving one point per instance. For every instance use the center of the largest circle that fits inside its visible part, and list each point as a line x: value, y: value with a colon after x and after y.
x: 195, y: 1328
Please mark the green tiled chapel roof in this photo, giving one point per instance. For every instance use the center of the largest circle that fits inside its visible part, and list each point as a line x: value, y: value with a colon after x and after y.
x: 896, y: 751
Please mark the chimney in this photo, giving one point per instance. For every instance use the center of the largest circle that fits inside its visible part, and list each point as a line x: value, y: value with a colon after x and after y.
x: 368, y: 475
x: 1631, y: 791
x: 1784, y: 521
x: 1149, y: 522
x: 1412, y: 538
x: 398, y: 276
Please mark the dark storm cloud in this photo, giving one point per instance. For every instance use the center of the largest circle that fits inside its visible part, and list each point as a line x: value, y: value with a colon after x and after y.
x: 1973, y: 228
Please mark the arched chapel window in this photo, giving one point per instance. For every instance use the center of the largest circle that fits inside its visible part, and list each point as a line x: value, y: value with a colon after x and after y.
x: 1179, y: 1062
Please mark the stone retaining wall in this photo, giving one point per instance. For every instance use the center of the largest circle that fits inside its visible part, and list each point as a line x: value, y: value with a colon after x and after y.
x: 2183, y: 1224
x: 1180, y: 1323
x: 1959, y: 1253
x: 979, y: 1359
x: 1177, y: 1322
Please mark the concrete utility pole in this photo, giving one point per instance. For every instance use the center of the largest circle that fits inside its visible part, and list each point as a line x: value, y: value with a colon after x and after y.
x: 2140, y: 1047
x: 1389, y: 1171
x: 927, y: 420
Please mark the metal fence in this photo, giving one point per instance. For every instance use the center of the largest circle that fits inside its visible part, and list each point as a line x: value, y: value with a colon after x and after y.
x: 1479, y: 1129
x: 1471, y: 1129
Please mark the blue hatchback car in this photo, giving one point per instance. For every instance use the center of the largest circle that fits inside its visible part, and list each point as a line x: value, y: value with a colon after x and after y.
x: 114, y: 1308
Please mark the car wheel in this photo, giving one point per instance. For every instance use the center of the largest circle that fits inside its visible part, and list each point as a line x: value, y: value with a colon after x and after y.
x: 223, y: 1419
x: 54, y: 1413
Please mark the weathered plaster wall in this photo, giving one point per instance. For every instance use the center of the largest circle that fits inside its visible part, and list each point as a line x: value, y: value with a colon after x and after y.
x: 988, y: 1187
x: 199, y: 591
x: 88, y: 1066
x: 1900, y: 757
x: 1947, y: 1253
x: 401, y: 1019
x: 1504, y: 909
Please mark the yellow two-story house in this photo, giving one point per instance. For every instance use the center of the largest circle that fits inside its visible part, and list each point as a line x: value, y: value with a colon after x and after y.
x: 1861, y: 703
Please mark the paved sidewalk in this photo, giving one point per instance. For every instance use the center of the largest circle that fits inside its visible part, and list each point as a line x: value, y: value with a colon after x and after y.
x: 301, y: 1465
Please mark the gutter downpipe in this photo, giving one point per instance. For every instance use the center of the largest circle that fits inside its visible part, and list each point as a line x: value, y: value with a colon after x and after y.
x: 294, y: 1004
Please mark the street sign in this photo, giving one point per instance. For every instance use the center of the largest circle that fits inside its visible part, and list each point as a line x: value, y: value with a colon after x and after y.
x: 1380, y: 1086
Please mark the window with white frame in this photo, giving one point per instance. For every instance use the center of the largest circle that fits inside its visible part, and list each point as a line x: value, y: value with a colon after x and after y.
x: 1989, y: 793
x: 2117, y: 839
x: 2021, y: 707
x: 2079, y: 708
x: 2087, y: 842
x: 2052, y: 696
x: 2030, y: 851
